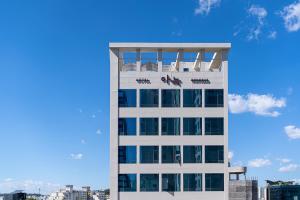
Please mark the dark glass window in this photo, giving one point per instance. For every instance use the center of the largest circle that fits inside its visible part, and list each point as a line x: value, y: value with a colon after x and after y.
x: 192, y: 126
x: 171, y: 154
x: 148, y: 126
x: 149, y: 182
x: 192, y: 154
x: 127, y: 126
x: 127, y: 154
x: 214, y: 98
x: 170, y: 98
x: 149, y: 154
x: 192, y: 98
x: 170, y: 126
x: 192, y: 182
x: 127, y: 98
x: 214, y: 154
x: 214, y: 126
x: 148, y: 98
x: 214, y: 182
x: 127, y: 182
x: 170, y: 182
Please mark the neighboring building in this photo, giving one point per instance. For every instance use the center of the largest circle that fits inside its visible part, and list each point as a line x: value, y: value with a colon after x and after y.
x: 262, y: 195
x: 241, y: 189
x: 70, y: 194
x: 169, y: 121
x: 99, y: 195
x: 16, y: 195
x: 282, y: 190
x: 36, y: 196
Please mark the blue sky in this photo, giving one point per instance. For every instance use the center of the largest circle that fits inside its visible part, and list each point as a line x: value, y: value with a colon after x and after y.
x: 54, y: 82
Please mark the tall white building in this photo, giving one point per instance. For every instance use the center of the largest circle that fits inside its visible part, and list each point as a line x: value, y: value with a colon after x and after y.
x: 169, y: 121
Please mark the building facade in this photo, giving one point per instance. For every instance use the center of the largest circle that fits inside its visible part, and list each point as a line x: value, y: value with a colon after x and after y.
x: 16, y: 195
x: 169, y: 121
x: 243, y: 190
x: 68, y: 193
x: 282, y: 190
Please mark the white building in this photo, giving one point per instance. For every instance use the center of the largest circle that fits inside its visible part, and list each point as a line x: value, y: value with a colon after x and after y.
x: 68, y: 193
x: 169, y: 121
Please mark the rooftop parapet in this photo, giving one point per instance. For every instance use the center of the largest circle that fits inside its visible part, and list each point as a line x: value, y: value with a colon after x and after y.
x: 171, y: 57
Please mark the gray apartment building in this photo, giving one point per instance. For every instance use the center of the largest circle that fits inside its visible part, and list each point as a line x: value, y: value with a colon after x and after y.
x: 169, y: 121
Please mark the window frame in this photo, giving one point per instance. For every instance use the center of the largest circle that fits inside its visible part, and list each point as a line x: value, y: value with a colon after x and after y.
x: 219, y: 101
x: 168, y: 104
x: 134, y: 98
x: 185, y: 96
x: 155, y: 95
x: 155, y: 151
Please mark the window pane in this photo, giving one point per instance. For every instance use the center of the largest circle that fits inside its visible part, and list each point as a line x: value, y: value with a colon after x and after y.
x: 192, y: 98
x: 214, y: 98
x: 214, y: 182
x: 192, y: 154
x: 148, y: 98
x: 214, y: 126
x: 127, y: 154
x: 149, y: 154
x: 149, y: 182
x: 192, y: 126
x: 170, y: 98
x: 148, y: 126
x: 170, y: 126
x: 127, y: 126
x: 170, y: 182
x: 192, y: 182
x: 127, y: 98
x: 127, y: 182
x: 171, y: 154
x: 214, y: 154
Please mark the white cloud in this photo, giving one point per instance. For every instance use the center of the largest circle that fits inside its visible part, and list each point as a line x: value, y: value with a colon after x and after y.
x: 264, y: 105
x: 292, y: 132
x: 291, y: 16
x: 290, y: 91
x: 284, y: 160
x: 259, y: 162
x: 289, y: 168
x: 230, y: 155
x: 272, y: 35
x: 29, y: 186
x: 259, y: 13
x: 205, y: 6
x: 78, y: 156
x: 98, y: 132
x: 177, y: 33
x: 8, y: 179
